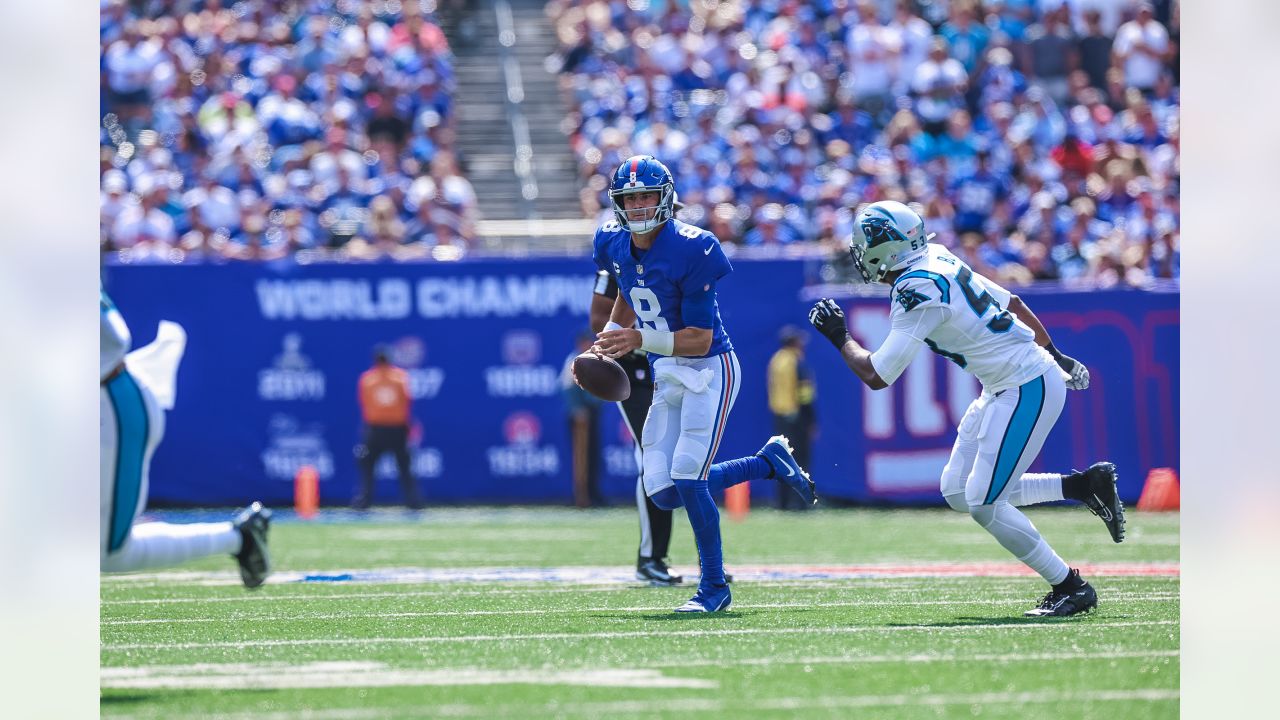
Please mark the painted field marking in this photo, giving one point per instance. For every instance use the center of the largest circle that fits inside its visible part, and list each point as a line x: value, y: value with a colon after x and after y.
x: 1019, y: 600
x: 603, y: 575
x: 1030, y: 624
x: 304, y: 591
x: 287, y: 676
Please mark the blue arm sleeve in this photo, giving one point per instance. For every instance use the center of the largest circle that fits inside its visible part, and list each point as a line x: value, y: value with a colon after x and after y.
x: 698, y: 309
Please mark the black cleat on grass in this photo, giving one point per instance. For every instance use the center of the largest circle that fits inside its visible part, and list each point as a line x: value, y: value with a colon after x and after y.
x: 255, y: 564
x: 655, y: 572
x: 1080, y: 598
x: 1102, y: 498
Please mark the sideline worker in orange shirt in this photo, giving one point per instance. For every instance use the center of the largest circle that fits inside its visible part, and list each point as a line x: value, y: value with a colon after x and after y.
x: 384, y: 403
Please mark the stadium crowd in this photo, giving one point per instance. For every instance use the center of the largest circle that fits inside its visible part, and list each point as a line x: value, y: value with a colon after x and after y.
x: 1039, y: 137
x: 255, y: 130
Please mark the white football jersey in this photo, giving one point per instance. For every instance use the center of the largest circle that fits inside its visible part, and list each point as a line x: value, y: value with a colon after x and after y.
x: 115, y: 340
x: 941, y: 303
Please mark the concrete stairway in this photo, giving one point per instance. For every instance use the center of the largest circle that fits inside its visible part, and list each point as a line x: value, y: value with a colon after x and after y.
x: 509, y: 112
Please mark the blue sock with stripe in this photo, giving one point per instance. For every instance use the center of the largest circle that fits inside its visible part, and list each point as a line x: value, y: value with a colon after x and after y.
x: 731, y: 472
x: 704, y: 518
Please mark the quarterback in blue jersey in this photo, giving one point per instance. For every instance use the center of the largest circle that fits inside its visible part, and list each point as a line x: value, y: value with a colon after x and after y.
x: 667, y: 273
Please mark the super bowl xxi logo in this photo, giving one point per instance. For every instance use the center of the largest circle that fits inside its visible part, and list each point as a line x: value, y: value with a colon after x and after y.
x: 523, y: 455
x: 520, y: 375
x: 291, y: 376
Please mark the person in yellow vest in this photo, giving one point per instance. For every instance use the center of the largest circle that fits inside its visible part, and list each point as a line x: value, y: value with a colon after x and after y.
x: 791, y: 395
x: 384, y: 405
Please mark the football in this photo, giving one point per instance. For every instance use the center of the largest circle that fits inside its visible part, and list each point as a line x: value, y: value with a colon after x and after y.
x: 601, y: 376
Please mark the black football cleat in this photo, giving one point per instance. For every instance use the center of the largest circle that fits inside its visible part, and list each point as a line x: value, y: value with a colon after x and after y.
x: 655, y: 572
x: 255, y: 564
x: 1102, y: 498
x: 1064, y: 603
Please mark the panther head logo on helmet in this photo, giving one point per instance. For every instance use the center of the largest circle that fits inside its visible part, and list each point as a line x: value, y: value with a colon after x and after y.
x: 887, y: 236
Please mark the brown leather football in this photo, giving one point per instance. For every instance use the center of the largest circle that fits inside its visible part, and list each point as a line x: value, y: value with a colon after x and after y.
x: 602, y: 376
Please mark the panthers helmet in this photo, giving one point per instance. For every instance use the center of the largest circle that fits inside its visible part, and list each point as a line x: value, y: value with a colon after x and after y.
x: 887, y: 236
x: 643, y: 173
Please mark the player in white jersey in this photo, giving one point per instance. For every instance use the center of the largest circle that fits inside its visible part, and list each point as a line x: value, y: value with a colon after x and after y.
x: 132, y: 419
x: 939, y: 302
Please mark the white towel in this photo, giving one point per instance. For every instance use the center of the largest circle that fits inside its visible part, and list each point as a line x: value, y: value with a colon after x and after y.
x: 693, y: 380
x: 156, y: 365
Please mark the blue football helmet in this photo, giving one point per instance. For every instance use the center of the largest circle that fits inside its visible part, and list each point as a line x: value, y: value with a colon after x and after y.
x: 643, y: 173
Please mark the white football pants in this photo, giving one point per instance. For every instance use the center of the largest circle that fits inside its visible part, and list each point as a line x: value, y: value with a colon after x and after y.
x: 692, y: 398
x: 999, y: 436
x: 132, y: 426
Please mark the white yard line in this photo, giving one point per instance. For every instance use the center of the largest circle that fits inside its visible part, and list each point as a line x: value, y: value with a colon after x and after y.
x: 303, y: 591
x: 361, y: 615
x: 605, y: 575
x: 1032, y: 625
x: 281, y: 676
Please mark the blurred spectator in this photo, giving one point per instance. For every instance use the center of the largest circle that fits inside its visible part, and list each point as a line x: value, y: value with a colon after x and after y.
x: 1053, y: 53
x: 144, y: 225
x: 1141, y: 49
x: 940, y: 83
x: 776, y: 139
x: 976, y: 195
x: 1094, y: 48
x: 967, y: 36
x: 275, y: 124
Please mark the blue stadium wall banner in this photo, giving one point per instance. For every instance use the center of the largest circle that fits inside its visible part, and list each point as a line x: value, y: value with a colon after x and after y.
x: 268, y: 383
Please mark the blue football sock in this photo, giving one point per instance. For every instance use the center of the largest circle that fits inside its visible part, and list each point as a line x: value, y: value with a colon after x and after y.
x: 668, y: 498
x: 705, y: 520
x: 731, y: 472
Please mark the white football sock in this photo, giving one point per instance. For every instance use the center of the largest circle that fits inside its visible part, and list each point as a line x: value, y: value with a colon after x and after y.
x: 157, y: 544
x: 1035, y: 488
x: 1015, y: 532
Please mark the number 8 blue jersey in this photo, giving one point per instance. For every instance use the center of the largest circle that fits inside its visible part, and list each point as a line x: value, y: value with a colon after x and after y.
x: 672, y: 285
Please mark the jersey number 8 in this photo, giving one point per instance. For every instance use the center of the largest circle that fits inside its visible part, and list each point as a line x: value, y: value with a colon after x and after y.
x: 645, y: 304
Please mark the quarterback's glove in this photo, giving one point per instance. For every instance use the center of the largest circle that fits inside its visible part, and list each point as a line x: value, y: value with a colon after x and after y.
x: 828, y: 318
x: 1077, y: 373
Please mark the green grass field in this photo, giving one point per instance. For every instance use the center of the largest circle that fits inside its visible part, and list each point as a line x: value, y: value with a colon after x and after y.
x: 564, y: 634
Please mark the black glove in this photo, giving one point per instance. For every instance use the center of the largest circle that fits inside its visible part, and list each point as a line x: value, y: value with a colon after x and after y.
x: 828, y: 318
x: 1077, y: 373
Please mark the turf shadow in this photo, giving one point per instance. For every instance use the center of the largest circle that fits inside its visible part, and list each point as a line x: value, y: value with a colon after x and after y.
x: 972, y: 621
x: 673, y: 616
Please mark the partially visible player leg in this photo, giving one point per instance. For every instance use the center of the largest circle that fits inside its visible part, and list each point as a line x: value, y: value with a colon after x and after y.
x: 655, y: 522
x: 132, y: 426
x: 1030, y: 488
x: 774, y: 460
x: 963, y: 454
x: 1012, y: 432
x: 703, y: 419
